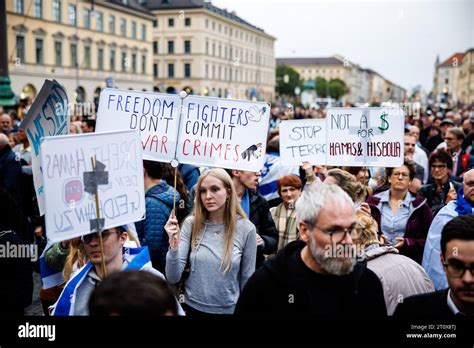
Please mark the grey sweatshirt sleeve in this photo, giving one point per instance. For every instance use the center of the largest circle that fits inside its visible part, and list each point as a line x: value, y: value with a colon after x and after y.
x: 249, y: 257
x: 176, y: 259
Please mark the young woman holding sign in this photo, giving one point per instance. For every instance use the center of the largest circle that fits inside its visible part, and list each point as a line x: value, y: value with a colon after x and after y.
x: 220, y: 244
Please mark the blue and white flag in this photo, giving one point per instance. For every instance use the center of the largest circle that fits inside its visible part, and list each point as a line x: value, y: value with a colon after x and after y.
x: 273, y: 170
x: 49, y: 276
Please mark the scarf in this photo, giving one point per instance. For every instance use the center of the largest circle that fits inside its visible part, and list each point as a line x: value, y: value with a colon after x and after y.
x: 463, y: 207
x: 285, y: 224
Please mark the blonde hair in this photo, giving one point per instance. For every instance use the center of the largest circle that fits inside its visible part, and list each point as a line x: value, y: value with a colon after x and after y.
x: 77, y: 255
x: 367, y: 229
x: 349, y: 184
x: 231, y: 211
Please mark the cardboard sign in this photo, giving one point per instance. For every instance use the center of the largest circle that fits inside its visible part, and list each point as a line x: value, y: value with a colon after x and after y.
x: 70, y: 182
x: 346, y: 137
x: 223, y: 133
x: 155, y: 115
x: 365, y: 137
x: 48, y: 116
x: 303, y: 140
x: 195, y: 130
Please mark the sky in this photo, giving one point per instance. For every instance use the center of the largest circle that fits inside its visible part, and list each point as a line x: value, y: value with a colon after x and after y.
x: 398, y: 39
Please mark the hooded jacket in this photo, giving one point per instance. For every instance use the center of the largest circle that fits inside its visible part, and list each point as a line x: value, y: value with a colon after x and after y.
x: 285, y: 287
x: 151, y: 231
x: 417, y: 225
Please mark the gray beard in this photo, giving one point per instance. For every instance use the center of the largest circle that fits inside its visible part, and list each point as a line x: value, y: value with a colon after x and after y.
x: 333, y: 265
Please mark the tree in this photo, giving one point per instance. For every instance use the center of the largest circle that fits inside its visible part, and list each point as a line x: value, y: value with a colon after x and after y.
x: 337, y: 88
x: 287, y: 85
x: 321, y: 87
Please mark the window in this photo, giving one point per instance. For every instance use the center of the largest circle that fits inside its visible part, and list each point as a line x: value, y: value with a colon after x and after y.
x: 87, y: 57
x: 73, y: 48
x: 72, y: 15
x: 220, y: 27
x: 111, y: 24
x: 213, y: 48
x: 207, y: 71
x: 143, y: 64
x: 38, y: 8
x: 39, y: 51
x: 58, y: 53
x: 187, y: 22
x: 123, y: 27
x: 207, y: 23
x: 87, y: 18
x: 100, y: 59
x: 187, y: 70
x: 155, y: 47
x: 100, y: 21
x: 143, y: 32
x: 112, y: 59
x: 213, y: 25
x: 187, y: 46
x: 20, y: 48
x: 134, y: 30
x: 155, y: 23
x: 19, y: 6
x: 220, y: 51
x: 155, y: 70
x: 170, y: 46
x: 207, y: 47
x: 134, y: 63
x: 170, y: 22
x: 219, y: 73
x: 170, y: 70
x: 57, y: 10
x: 124, y: 61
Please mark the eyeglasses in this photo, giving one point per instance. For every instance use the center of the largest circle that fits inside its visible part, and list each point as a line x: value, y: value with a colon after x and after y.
x: 338, y: 236
x: 88, y: 237
x: 457, y: 269
x: 439, y: 166
x: 469, y: 184
x: 404, y: 175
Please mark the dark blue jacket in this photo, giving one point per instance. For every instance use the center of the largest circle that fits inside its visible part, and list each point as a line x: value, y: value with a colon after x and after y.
x: 151, y: 231
x: 190, y: 175
x: 10, y: 173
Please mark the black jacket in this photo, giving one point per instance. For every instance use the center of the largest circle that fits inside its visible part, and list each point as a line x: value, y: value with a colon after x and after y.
x: 433, y: 305
x: 262, y: 219
x: 286, y: 287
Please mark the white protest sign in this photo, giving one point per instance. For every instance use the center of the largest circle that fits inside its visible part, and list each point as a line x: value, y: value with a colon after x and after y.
x: 48, y: 116
x: 155, y: 115
x: 303, y: 140
x: 69, y: 181
x: 365, y: 136
x: 223, y: 133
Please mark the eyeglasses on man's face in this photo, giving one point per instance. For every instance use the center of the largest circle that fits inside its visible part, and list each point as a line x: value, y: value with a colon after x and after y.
x: 456, y: 268
x: 469, y: 184
x: 86, y: 239
x: 439, y: 166
x: 338, y: 235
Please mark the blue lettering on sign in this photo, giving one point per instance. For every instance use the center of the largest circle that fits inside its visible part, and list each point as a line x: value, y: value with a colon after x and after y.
x: 36, y: 137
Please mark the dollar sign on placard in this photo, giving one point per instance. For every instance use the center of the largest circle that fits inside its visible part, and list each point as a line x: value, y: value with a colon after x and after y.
x: 384, y: 126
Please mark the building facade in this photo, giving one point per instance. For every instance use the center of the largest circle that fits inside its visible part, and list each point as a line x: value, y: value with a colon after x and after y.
x: 464, y: 88
x: 446, y: 79
x: 209, y: 51
x: 364, y: 85
x: 84, y: 45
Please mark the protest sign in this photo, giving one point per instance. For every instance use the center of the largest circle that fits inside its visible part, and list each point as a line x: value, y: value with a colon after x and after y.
x: 211, y: 132
x: 346, y: 137
x: 223, y: 133
x: 303, y: 140
x: 365, y: 136
x: 48, y: 116
x: 155, y: 115
x: 70, y: 182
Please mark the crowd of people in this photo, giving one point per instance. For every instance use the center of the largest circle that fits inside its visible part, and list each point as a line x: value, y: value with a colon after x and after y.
x: 288, y: 241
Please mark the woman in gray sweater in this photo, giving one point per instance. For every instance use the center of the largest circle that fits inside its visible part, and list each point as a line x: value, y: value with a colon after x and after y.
x: 222, y: 245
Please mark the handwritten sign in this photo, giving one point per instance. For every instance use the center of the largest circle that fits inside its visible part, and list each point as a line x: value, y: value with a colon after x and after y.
x: 365, y: 137
x: 303, y: 140
x: 47, y: 117
x: 155, y: 115
x: 223, y: 133
x: 347, y: 136
x: 69, y: 175
x: 196, y: 130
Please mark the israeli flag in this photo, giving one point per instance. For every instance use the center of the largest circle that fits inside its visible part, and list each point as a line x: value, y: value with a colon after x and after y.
x: 49, y: 276
x: 273, y: 170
